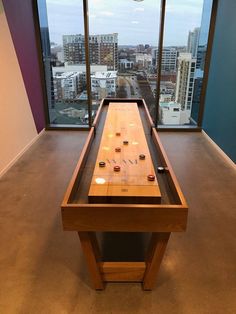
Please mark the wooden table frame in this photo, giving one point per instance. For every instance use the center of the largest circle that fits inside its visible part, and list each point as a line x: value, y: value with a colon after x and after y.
x: 144, y: 272
x: 159, y: 219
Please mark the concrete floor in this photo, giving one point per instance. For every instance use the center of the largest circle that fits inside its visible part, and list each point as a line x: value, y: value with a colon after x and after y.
x: 42, y: 269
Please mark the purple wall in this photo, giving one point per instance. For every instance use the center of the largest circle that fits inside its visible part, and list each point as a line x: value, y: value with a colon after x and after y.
x: 21, y: 23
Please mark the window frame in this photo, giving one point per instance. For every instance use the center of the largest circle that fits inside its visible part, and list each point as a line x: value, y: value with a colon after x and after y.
x: 195, y: 126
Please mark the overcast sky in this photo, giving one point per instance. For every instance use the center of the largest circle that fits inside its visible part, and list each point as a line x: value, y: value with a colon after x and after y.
x: 135, y: 22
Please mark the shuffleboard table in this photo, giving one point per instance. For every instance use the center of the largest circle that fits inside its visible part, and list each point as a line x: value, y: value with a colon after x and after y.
x: 123, y: 184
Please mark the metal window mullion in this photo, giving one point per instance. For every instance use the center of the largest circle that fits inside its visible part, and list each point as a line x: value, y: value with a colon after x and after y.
x: 159, y: 61
x: 87, y: 59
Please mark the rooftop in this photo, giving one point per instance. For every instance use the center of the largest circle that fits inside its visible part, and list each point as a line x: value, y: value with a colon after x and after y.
x: 170, y: 104
x: 105, y: 75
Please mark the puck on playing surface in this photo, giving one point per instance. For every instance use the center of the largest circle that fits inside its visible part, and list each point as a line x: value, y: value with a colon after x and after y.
x: 125, y: 142
x: 142, y: 156
x: 116, y: 168
x: 102, y: 164
x: 151, y: 177
x: 117, y: 133
x: 160, y: 169
x: 117, y: 149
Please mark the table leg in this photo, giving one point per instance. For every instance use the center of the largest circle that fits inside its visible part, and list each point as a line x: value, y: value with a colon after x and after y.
x: 155, y: 255
x: 92, y: 254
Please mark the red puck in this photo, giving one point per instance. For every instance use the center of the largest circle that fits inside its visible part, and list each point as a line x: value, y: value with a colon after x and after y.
x: 117, y: 133
x: 116, y: 168
x: 117, y: 149
x: 151, y: 177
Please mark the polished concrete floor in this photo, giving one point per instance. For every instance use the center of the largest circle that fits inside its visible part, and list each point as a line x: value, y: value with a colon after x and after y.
x: 42, y: 269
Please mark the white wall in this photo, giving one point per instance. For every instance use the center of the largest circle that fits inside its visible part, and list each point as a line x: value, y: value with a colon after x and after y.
x: 17, y: 127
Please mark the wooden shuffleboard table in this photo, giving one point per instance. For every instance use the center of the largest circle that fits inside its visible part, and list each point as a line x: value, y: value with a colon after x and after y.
x: 123, y: 186
x: 124, y: 164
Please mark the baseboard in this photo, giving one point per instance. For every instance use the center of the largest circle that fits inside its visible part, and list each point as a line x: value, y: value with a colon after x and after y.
x: 13, y: 161
x: 220, y: 151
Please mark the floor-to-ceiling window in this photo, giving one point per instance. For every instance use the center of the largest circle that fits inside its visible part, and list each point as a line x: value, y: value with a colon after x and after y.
x: 122, y: 45
x: 123, y: 36
x: 63, y: 43
x: 201, y: 60
x: 179, y: 56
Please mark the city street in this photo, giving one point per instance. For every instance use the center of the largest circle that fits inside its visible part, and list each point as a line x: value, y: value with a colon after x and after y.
x: 128, y: 85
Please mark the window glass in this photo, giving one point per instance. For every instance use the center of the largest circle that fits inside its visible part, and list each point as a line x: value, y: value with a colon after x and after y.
x: 62, y: 37
x: 201, y: 54
x: 179, y: 57
x: 123, y: 56
x: 124, y: 35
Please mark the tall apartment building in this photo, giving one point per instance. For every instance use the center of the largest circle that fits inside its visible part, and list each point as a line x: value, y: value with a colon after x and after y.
x: 169, y: 58
x: 66, y: 85
x: 74, y: 48
x: 103, y: 84
x: 103, y: 49
x: 186, y: 66
x: 193, y: 38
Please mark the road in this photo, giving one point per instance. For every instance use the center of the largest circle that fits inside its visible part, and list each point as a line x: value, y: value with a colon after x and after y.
x: 129, y: 86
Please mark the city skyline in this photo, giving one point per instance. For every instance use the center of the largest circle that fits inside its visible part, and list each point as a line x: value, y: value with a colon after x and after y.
x: 136, y: 67
x: 66, y: 17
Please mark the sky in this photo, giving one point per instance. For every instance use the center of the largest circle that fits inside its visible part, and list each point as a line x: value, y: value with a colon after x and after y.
x: 135, y: 22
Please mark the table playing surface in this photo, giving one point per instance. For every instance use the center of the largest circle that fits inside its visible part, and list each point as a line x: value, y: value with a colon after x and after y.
x: 124, y: 175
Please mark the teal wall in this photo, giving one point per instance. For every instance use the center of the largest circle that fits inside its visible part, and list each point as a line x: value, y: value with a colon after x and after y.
x: 220, y: 105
